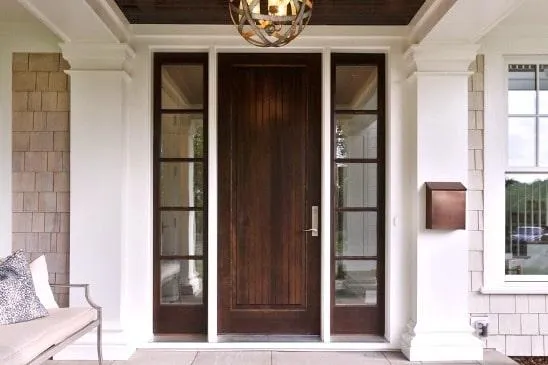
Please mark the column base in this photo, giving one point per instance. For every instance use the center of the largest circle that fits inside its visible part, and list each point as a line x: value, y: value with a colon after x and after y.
x: 441, y: 346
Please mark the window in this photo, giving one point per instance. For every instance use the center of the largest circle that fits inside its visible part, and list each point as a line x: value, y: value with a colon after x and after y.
x: 180, y: 193
x: 358, y: 193
x: 526, y: 178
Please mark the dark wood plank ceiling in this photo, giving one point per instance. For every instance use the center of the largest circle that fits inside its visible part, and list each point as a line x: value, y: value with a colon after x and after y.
x: 326, y: 12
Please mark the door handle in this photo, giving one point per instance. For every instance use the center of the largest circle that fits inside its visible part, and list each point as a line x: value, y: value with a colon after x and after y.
x: 314, y: 218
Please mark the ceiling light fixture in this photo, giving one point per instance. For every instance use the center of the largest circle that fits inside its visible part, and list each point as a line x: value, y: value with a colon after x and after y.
x: 270, y: 23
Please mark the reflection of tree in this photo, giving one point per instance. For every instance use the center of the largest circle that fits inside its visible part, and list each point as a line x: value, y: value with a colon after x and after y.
x: 510, y: 181
x: 340, y: 144
x: 198, y: 144
x: 526, y: 206
x: 340, y: 152
x: 526, y: 203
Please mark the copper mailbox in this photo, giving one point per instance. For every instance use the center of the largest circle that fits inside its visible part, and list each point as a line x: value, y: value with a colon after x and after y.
x: 445, y: 205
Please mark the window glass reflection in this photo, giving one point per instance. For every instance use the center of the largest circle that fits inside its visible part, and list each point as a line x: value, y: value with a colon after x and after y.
x: 356, y: 88
x: 356, y: 234
x: 543, y: 90
x: 182, y: 233
x: 356, y: 136
x: 356, y: 282
x: 182, y: 87
x: 521, y: 141
x: 522, y: 89
x: 181, y: 184
x: 543, y: 145
x: 526, y: 224
x: 356, y: 185
x: 181, y: 282
x: 182, y: 136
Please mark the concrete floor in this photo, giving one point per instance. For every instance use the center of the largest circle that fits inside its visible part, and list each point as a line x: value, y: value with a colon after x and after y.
x: 165, y: 357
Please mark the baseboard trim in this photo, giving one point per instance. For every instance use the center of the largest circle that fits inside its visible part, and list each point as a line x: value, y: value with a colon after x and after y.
x: 115, y: 347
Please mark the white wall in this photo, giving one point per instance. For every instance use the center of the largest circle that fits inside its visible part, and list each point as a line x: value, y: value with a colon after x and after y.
x: 14, y: 37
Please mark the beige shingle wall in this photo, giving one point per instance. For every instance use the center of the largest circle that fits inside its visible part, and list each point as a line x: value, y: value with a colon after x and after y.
x: 518, y: 324
x: 40, y: 184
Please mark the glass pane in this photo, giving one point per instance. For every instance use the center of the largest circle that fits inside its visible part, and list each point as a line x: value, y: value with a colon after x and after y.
x: 543, y: 138
x: 526, y: 224
x: 522, y: 89
x: 355, y: 282
x: 356, y: 234
x: 182, y: 135
x: 182, y: 233
x: 356, y: 88
x: 521, y: 141
x: 543, y: 93
x: 356, y: 185
x: 182, y: 87
x: 181, y: 184
x: 356, y: 136
x: 181, y: 281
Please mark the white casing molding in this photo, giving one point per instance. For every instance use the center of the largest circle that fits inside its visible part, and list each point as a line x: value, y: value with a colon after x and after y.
x: 437, y: 108
x: 500, y: 49
x: 213, y: 198
x: 140, y: 219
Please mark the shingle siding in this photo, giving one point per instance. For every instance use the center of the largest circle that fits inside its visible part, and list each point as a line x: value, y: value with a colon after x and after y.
x: 40, y: 178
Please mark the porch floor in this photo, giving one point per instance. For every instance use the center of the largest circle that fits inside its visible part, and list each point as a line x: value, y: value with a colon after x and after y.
x: 166, y: 357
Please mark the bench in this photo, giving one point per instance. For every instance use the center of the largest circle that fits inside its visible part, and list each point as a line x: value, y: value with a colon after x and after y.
x: 35, y: 341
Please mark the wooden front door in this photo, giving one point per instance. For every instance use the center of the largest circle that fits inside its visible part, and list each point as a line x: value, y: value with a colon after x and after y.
x: 269, y: 131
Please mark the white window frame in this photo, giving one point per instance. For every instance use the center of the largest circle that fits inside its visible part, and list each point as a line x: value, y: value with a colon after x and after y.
x: 495, y: 167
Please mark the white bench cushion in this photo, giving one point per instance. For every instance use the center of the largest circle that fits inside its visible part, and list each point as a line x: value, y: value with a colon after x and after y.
x: 22, y: 342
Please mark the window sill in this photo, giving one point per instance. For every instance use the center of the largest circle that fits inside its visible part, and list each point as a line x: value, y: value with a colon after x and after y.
x: 517, y: 288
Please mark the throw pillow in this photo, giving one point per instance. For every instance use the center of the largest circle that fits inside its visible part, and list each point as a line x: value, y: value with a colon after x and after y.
x: 18, y: 300
x: 40, y: 279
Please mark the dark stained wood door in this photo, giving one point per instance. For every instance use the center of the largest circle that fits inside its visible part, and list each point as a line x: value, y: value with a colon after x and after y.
x: 269, y: 130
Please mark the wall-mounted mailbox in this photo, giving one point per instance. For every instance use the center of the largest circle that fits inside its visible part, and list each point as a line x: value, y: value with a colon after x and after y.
x: 445, y: 205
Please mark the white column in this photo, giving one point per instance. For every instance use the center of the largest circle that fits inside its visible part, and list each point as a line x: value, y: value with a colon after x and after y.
x: 437, y: 105
x: 98, y: 170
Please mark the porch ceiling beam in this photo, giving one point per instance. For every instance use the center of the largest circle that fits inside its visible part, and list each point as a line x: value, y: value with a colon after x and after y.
x: 467, y: 21
x: 98, y: 21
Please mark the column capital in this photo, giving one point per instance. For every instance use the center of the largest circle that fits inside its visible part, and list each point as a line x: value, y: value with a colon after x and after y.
x: 446, y: 58
x: 98, y: 56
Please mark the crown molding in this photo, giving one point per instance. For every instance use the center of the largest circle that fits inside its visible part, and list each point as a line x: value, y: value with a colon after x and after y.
x: 98, y: 56
x: 440, y: 58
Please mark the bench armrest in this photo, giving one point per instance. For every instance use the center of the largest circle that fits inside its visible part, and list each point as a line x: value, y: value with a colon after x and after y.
x: 86, y: 293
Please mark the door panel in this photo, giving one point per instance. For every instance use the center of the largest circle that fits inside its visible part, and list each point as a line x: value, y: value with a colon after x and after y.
x: 269, y: 176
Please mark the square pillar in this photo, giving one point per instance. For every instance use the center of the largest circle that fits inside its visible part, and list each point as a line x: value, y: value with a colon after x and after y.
x: 437, y: 106
x: 98, y: 147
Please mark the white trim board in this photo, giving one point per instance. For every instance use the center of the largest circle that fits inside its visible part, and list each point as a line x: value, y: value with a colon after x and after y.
x: 268, y: 346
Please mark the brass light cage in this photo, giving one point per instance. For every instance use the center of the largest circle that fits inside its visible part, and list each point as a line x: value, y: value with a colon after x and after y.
x: 270, y: 23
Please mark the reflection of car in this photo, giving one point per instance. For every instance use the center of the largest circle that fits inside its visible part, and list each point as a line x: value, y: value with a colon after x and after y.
x: 527, y: 234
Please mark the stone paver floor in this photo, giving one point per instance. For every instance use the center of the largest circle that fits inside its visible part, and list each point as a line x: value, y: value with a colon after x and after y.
x: 173, y: 357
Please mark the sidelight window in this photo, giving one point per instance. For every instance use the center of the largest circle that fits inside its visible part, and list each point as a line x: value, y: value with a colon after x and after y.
x: 358, y: 193
x: 180, y: 229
